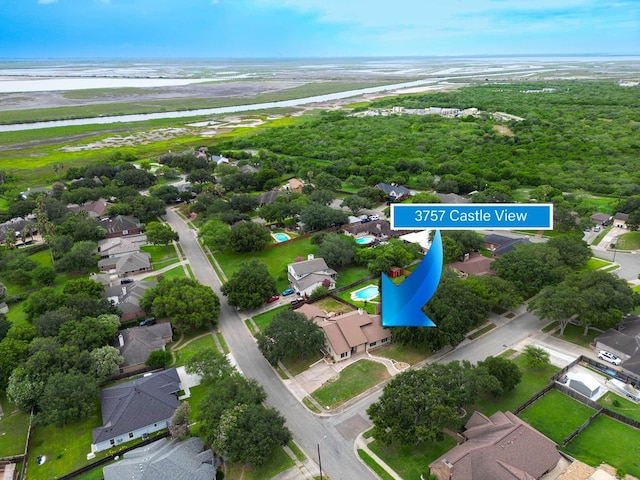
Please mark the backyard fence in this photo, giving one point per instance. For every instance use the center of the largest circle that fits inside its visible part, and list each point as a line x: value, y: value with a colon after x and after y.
x: 335, y: 291
x: 534, y: 398
x: 578, y: 430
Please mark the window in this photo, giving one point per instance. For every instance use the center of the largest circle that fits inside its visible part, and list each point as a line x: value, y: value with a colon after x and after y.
x: 155, y: 424
x: 373, y: 344
x: 112, y: 442
x: 384, y: 340
x: 130, y: 434
x: 344, y: 355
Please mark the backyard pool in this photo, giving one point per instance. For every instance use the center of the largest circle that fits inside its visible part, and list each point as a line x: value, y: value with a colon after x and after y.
x: 281, y: 237
x: 364, y: 240
x: 366, y: 293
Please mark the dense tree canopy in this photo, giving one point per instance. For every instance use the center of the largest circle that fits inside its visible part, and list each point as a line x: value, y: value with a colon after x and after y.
x: 337, y: 250
x: 248, y: 237
x: 160, y: 234
x: 250, y: 285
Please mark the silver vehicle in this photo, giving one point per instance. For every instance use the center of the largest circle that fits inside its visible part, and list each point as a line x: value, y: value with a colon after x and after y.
x: 609, y: 357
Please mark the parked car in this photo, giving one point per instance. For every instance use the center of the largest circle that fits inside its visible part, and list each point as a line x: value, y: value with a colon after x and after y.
x: 609, y: 357
x: 374, y: 217
x: 273, y: 298
x: 148, y: 321
x: 365, y: 219
x: 288, y: 291
x: 126, y: 280
x: 297, y: 301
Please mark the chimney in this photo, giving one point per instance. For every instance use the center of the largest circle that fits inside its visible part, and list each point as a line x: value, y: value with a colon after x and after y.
x: 121, y: 340
x: 310, y: 256
x: 360, y: 311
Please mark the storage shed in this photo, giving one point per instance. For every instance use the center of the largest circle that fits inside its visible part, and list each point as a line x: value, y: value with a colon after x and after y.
x: 584, y: 384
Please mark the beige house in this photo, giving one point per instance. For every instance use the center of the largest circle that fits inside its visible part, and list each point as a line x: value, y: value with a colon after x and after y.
x: 500, y: 447
x: 295, y: 185
x: 348, y: 333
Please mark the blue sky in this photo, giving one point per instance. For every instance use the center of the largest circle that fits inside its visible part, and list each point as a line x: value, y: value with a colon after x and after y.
x: 314, y: 28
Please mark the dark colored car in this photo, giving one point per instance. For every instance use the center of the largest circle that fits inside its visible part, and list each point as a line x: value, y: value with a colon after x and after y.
x: 273, y: 299
x: 297, y: 301
x: 148, y: 321
x: 126, y: 280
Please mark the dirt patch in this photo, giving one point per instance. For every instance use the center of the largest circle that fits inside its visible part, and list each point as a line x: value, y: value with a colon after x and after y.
x: 502, y: 130
x: 138, y: 138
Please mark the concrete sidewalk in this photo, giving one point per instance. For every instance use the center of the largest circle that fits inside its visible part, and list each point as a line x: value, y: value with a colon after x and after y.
x: 362, y: 443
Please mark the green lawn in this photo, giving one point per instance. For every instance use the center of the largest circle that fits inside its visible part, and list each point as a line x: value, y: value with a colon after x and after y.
x: 160, y: 253
x: 574, y: 334
x: 556, y: 415
x: 183, y: 354
x: 176, y: 272
x: 348, y: 275
x: 276, y: 259
x: 297, y: 365
x: 331, y: 305
x: 353, y: 380
x: 66, y: 448
x: 404, y: 353
x: 624, y: 407
x: 277, y: 462
x: 373, y: 465
x: 197, y: 395
x: 606, y: 440
x: 13, y: 428
x: 629, y: 241
x: 533, y: 380
x: 264, y: 319
x: 595, y: 263
x: 411, y: 461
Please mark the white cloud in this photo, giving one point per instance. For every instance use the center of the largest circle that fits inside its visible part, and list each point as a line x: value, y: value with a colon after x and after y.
x: 45, y: 2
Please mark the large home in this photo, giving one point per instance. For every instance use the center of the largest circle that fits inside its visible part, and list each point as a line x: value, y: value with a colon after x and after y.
x: 118, y: 246
x: 136, y: 344
x: 127, y: 264
x: 620, y: 220
x: 137, y: 408
x: 295, y: 185
x: 17, y: 225
x: 624, y: 342
x: 165, y: 460
x: 95, y: 209
x: 126, y: 296
x: 395, y: 192
x: 121, y: 226
x: 601, y: 218
x: 500, y: 244
x: 500, y: 447
x: 348, y: 333
x: 473, y: 264
x: 310, y: 274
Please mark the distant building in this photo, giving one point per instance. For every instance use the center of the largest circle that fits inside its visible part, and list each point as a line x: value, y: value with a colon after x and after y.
x: 474, y: 264
x: 121, y: 225
x: 394, y: 192
x: 499, y: 244
x: 95, y: 209
x: 620, y: 220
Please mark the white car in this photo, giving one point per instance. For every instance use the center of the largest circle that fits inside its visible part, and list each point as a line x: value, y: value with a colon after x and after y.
x: 609, y: 357
x: 374, y: 217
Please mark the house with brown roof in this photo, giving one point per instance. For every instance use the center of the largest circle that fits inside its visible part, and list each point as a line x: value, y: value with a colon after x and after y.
x: 601, y: 218
x: 473, y: 264
x: 121, y: 225
x: 295, y: 185
x: 310, y: 274
x: 348, y: 333
x: 95, y: 209
x: 500, y: 447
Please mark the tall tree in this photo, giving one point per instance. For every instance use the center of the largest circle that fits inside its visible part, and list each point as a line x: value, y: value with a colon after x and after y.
x: 356, y: 204
x: 248, y: 237
x: 290, y: 333
x: 337, y: 250
x: 249, y: 286
x: 68, y: 397
x: 159, y: 234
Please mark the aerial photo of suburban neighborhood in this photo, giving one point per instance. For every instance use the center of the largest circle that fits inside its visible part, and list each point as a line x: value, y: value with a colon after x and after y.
x: 194, y: 243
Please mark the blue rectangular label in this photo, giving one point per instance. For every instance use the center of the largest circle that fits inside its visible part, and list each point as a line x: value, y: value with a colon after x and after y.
x: 472, y: 216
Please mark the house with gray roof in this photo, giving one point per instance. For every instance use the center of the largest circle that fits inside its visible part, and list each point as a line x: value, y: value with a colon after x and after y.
x: 128, y: 264
x: 118, y: 246
x: 601, y: 218
x: 310, y: 274
x: 127, y: 297
x: 165, y: 460
x: 500, y: 447
x: 394, y: 192
x: 17, y: 224
x: 136, y: 344
x: 624, y: 342
x: 500, y: 244
x: 133, y: 409
x: 620, y: 220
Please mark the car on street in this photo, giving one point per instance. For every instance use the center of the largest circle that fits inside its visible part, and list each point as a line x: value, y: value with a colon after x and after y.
x: 148, y: 321
x: 374, y: 217
x: 273, y: 298
x: 288, y: 291
x: 609, y: 357
x: 365, y: 219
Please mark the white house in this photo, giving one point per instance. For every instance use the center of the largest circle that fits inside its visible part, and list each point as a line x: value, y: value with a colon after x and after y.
x: 310, y: 274
x: 137, y: 408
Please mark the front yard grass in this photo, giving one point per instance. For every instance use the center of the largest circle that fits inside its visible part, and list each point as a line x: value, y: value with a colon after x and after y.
x: 183, y: 354
x: 556, y: 415
x: 404, y: 353
x: 574, y: 334
x: 276, y: 463
x: 13, y: 428
x: 353, y: 380
x: 624, y: 407
x: 263, y: 320
x: 175, y: 272
x: 628, y: 241
x: 161, y: 254
x: 595, y: 263
x: 606, y: 440
x: 275, y: 258
x: 373, y: 465
x: 297, y: 365
x: 411, y: 461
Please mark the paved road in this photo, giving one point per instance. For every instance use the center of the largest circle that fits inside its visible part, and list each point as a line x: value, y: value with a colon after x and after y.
x: 334, y: 435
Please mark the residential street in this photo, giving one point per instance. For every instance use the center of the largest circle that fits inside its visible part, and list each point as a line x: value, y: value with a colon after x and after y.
x: 336, y: 433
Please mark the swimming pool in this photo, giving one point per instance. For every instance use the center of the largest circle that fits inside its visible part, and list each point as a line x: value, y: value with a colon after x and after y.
x: 281, y: 237
x: 366, y: 293
x: 364, y: 240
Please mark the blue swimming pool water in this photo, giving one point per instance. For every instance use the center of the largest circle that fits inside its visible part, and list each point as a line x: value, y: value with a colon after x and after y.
x: 367, y: 293
x: 364, y: 240
x: 281, y: 237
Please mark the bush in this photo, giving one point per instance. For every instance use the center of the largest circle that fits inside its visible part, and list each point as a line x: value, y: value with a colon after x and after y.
x: 159, y: 359
x: 318, y: 293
